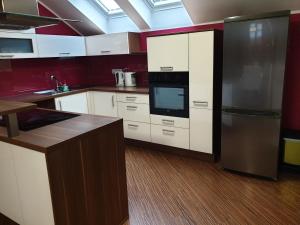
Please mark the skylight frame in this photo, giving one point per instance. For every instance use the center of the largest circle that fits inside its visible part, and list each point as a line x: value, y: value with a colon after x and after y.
x: 110, y: 12
x: 163, y: 3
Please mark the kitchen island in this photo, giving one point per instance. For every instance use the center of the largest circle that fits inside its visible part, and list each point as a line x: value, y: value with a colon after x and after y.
x: 67, y: 173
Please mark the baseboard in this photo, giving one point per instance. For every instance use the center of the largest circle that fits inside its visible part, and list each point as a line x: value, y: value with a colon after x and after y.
x: 6, y: 221
x: 173, y: 150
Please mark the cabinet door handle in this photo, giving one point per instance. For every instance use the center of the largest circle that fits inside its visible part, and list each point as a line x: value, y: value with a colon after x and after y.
x: 132, y: 108
x: 65, y: 53
x: 168, y: 132
x: 105, y: 51
x: 7, y: 56
x: 59, y: 103
x: 166, y: 68
x: 113, y: 101
x: 133, y: 126
x: 199, y: 103
x: 168, y: 122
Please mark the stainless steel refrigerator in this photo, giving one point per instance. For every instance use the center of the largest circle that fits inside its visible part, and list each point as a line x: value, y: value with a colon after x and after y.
x: 253, y: 79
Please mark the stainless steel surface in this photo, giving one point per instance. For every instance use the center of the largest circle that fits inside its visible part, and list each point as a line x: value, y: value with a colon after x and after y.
x: 47, y: 92
x: 250, y: 144
x: 254, y: 63
x: 253, y: 79
x: 23, y: 14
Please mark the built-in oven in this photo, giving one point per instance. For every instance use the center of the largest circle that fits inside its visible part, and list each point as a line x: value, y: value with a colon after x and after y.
x: 169, y: 93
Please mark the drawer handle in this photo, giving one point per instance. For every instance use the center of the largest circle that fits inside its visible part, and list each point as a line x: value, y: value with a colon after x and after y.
x: 105, y: 51
x: 128, y: 98
x: 132, y: 108
x: 199, y: 103
x: 168, y: 122
x: 166, y: 68
x: 133, y: 126
x: 168, y: 132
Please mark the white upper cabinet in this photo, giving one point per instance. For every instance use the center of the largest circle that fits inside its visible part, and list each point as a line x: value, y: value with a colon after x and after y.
x: 113, y: 44
x: 60, y: 46
x: 103, y: 103
x: 201, y: 69
x: 168, y: 53
x: 17, y: 45
x: 77, y: 103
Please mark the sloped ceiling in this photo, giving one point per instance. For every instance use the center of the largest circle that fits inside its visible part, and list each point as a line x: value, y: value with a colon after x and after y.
x: 199, y: 11
x: 202, y: 11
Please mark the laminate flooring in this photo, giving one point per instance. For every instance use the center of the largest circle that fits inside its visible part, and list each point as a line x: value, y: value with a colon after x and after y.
x: 165, y: 189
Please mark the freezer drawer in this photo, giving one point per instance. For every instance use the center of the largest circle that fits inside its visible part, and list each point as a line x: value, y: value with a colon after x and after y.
x: 250, y: 144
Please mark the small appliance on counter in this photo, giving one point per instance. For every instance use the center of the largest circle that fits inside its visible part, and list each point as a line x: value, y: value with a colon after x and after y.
x: 119, y: 77
x: 130, y: 79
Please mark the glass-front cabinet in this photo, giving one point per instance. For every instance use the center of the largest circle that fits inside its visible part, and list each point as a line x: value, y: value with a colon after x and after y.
x: 18, y: 45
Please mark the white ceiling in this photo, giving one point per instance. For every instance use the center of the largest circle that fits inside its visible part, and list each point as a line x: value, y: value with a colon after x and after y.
x: 139, y: 15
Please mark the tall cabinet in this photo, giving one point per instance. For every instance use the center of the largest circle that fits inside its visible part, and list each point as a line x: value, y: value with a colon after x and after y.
x: 205, y: 71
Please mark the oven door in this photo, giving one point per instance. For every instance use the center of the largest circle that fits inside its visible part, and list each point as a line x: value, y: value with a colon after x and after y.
x: 169, y: 100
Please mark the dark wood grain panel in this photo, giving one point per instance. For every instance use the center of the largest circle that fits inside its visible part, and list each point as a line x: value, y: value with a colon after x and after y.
x: 88, y: 178
x: 6, y: 221
x: 166, y: 189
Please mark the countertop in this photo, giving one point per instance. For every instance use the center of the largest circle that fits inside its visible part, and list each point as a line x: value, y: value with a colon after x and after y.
x: 33, y: 98
x: 44, y: 139
x: 9, y: 107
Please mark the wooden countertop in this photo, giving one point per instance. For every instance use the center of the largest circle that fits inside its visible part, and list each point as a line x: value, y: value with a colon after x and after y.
x: 33, y: 98
x: 44, y: 139
x: 10, y: 107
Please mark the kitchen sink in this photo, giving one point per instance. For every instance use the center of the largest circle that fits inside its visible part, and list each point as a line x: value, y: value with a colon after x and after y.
x: 47, y: 92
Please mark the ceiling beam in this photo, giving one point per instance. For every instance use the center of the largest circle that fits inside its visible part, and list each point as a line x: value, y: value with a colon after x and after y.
x: 137, y: 11
x: 66, y: 9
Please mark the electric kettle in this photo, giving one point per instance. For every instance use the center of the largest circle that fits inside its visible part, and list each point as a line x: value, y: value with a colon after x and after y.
x: 130, y: 79
x: 119, y: 77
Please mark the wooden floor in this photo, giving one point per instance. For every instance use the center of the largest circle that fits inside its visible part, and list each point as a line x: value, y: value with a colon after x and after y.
x: 169, y: 190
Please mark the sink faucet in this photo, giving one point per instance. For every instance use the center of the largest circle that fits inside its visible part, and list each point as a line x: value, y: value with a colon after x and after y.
x: 58, y: 83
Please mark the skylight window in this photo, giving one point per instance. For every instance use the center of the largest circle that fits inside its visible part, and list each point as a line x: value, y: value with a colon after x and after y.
x: 162, y: 3
x: 110, y: 6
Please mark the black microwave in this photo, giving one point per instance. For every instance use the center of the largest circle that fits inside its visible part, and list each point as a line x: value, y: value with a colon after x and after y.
x: 169, y: 93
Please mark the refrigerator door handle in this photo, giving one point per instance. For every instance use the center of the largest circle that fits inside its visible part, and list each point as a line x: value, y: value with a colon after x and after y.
x: 245, y: 112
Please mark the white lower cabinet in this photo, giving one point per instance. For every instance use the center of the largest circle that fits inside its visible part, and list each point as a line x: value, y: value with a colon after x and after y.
x: 137, y: 131
x: 176, y: 137
x: 201, y: 130
x: 134, y: 112
x: 170, y: 121
x: 77, y: 103
x: 24, y: 187
x: 103, y: 103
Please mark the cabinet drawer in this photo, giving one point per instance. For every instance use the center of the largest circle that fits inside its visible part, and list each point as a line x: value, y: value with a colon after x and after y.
x: 134, y: 112
x: 133, y: 98
x: 170, y: 121
x: 137, y: 131
x: 176, y: 137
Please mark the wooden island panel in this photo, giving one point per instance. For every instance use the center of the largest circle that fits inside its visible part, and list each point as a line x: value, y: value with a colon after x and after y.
x: 88, y: 178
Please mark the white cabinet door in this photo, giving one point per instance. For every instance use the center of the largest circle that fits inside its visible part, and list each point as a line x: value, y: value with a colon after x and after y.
x: 201, y: 70
x: 10, y: 199
x: 201, y: 130
x: 134, y: 112
x: 107, y: 44
x: 76, y: 103
x: 18, y: 45
x: 60, y: 46
x: 168, y: 53
x: 133, y: 98
x: 137, y: 131
x: 171, y: 136
x: 103, y: 103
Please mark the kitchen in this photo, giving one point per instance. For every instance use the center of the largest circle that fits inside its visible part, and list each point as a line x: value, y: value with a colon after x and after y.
x: 96, y: 105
